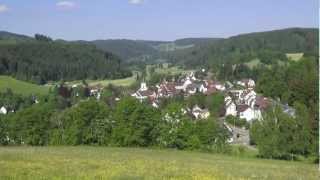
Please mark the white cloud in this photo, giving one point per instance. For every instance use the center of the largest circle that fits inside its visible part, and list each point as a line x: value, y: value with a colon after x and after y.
x: 66, y: 4
x: 136, y: 1
x: 3, y: 8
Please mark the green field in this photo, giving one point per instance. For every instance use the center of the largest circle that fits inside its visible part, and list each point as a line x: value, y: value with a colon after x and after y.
x: 117, y: 82
x: 253, y: 63
x: 165, y: 69
x: 131, y: 163
x: 21, y: 87
x: 294, y: 56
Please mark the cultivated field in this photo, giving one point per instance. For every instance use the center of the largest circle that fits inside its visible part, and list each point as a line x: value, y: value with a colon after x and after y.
x: 21, y: 87
x: 130, y: 163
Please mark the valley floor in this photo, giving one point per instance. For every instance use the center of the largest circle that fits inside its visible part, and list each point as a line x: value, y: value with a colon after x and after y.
x: 132, y: 163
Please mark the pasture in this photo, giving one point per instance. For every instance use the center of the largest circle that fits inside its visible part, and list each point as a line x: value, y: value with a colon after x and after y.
x: 84, y: 162
x: 21, y: 87
x: 116, y: 82
x: 294, y: 56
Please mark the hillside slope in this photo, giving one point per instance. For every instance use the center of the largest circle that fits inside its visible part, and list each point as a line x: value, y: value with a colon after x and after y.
x: 243, y: 48
x: 39, y: 61
x: 21, y: 87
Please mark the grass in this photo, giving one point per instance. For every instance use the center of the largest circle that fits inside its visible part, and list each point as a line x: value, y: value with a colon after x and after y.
x: 173, y: 70
x: 132, y: 163
x: 21, y: 87
x: 117, y: 82
x: 294, y: 56
x: 253, y: 63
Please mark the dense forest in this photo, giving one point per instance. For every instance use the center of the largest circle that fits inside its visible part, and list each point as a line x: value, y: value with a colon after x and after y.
x: 41, y: 60
x: 267, y: 46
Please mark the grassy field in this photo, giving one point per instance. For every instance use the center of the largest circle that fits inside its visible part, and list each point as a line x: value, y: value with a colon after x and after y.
x: 130, y: 163
x: 117, y: 82
x: 21, y: 87
x: 253, y: 63
x: 294, y: 56
x: 173, y: 70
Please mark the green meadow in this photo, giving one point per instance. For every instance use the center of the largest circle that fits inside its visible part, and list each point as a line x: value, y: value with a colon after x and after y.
x: 21, y: 87
x: 133, y: 163
x: 117, y: 82
x: 294, y: 56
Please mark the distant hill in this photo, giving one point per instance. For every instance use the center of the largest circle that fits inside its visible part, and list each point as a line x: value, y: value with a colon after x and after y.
x: 126, y: 49
x: 266, y: 46
x: 196, y: 41
x: 8, y: 37
x: 43, y: 60
x: 136, y: 49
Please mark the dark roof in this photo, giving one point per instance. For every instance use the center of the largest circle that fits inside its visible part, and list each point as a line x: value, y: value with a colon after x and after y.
x: 262, y: 102
x: 242, y: 107
x: 146, y: 93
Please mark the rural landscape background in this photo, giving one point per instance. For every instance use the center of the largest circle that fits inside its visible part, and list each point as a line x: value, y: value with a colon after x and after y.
x: 224, y: 91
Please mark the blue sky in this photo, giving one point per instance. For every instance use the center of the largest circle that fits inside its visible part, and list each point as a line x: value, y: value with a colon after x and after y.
x: 153, y: 19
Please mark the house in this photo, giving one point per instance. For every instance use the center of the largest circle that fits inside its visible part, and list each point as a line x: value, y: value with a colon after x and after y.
x: 248, y: 83
x: 288, y: 110
x: 199, y: 113
x: 220, y: 86
x: 230, y: 106
x: 166, y: 89
x: 183, y: 85
x: 144, y: 92
x: 95, y: 91
x: 248, y: 113
x: 262, y: 103
x: 3, y: 110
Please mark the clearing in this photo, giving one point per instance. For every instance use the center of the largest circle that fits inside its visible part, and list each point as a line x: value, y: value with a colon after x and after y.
x: 116, y: 82
x: 84, y: 162
x: 294, y: 56
x: 21, y: 87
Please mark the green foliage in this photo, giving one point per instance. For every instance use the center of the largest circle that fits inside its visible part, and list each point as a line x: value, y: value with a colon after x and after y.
x: 280, y: 136
x: 135, y: 124
x: 42, y: 61
x: 236, y: 121
x: 30, y: 126
x: 215, y: 103
x: 87, y: 123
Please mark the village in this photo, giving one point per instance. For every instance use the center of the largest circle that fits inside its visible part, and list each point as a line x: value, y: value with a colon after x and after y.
x: 242, y: 102
x: 240, y: 99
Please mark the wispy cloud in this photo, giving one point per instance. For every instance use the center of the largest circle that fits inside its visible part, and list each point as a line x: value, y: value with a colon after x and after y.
x: 66, y: 5
x: 3, y: 8
x: 136, y: 2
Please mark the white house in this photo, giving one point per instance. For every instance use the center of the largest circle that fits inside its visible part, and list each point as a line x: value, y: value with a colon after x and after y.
x: 220, y: 87
x: 144, y: 93
x: 231, y: 108
x: 199, y: 113
x: 249, y: 98
x: 185, y: 84
x: 248, y: 83
x: 3, y: 110
x: 203, y: 88
x: 248, y: 113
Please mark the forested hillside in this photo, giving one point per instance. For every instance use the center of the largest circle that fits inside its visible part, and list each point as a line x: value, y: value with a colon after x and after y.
x: 40, y: 60
x: 267, y: 46
x: 126, y: 49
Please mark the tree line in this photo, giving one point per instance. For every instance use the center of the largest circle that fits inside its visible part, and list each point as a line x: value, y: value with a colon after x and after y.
x: 41, y: 60
x: 128, y: 123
